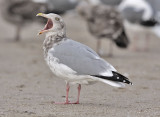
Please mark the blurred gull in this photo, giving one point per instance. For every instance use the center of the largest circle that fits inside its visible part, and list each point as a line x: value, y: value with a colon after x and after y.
x: 18, y: 12
x: 40, y: 1
x: 111, y: 2
x: 139, y: 20
x: 74, y: 62
x: 103, y: 22
x: 155, y: 5
x: 60, y: 6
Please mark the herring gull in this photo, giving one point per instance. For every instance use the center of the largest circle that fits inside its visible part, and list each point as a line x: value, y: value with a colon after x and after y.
x: 74, y: 62
x: 18, y: 12
x: 103, y: 21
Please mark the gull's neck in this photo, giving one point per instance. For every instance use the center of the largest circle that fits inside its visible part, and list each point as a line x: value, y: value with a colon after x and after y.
x: 53, y: 38
x: 59, y: 33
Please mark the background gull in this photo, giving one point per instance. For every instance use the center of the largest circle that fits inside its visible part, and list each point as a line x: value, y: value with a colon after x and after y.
x: 58, y: 6
x: 139, y: 21
x: 18, y: 12
x: 103, y: 22
x: 155, y: 6
x: 156, y: 9
x: 111, y: 2
x: 73, y: 61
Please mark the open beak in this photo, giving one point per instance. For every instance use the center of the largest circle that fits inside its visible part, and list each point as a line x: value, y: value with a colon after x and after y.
x: 49, y: 24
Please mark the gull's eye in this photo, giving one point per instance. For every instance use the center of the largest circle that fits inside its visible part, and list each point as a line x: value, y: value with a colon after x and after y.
x: 57, y: 19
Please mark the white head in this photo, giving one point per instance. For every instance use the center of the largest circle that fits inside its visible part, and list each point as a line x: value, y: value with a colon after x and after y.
x: 55, y: 24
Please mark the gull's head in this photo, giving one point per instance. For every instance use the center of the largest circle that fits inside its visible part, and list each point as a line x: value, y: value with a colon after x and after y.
x: 55, y: 23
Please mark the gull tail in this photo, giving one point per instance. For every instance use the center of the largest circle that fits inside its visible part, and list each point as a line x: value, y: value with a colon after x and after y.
x: 122, y: 40
x: 117, y: 80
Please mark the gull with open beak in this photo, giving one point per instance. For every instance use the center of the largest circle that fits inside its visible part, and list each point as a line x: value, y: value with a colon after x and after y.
x: 74, y: 62
x: 48, y: 25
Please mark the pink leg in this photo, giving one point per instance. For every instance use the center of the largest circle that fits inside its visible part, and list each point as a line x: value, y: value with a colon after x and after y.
x: 17, y: 38
x: 79, y: 90
x: 99, y: 46
x: 67, y: 93
x: 147, y: 39
x: 110, y: 54
x: 135, y: 43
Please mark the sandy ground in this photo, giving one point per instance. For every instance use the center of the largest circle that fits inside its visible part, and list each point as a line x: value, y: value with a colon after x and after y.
x: 28, y: 88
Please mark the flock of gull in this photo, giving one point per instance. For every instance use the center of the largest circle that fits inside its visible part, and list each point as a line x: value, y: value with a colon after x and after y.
x: 76, y: 63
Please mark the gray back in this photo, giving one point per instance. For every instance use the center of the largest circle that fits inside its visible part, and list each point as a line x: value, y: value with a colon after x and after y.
x: 80, y: 58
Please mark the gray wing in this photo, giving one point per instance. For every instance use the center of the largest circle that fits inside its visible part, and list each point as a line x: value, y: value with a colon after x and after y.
x: 132, y: 15
x: 80, y: 58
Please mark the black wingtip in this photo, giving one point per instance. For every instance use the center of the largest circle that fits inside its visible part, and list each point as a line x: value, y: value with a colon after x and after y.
x: 117, y: 77
x: 149, y: 23
x: 121, y: 78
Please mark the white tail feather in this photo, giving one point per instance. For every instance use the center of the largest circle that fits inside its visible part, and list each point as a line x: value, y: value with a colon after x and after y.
x: 113, y: 83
